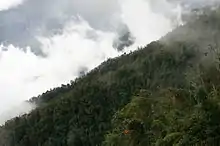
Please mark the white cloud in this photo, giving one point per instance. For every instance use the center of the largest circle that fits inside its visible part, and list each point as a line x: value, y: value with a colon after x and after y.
x: 145, y: 25
x: 6, y: 4
x: 16, y: 110
x: 24, y: 75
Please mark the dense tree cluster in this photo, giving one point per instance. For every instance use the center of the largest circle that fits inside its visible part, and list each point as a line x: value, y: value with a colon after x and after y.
x: 167, y: 93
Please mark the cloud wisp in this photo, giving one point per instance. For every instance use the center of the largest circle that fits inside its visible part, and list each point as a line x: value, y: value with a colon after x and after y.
x: 77, y: 39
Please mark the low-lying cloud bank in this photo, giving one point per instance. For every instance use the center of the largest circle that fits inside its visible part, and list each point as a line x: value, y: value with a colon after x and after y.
x: 63, y: 42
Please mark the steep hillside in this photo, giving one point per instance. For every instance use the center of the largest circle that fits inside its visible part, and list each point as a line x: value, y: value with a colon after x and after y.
x: 163, y: 94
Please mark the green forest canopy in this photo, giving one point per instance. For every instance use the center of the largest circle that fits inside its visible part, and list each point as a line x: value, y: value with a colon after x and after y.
x: 166, y: 93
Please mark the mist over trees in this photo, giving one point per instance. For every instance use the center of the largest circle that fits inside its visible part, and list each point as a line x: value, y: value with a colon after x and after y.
x: 166, y: 93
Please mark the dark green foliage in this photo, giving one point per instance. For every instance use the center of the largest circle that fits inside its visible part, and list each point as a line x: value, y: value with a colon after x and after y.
x: 82, y: 115
x: 166, y: 93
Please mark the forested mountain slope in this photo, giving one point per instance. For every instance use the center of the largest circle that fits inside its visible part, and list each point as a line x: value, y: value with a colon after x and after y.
x: 166, y: 93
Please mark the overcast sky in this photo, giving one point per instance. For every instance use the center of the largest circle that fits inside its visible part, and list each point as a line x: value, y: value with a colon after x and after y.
x: 46, y: 43
x: 6, y: 4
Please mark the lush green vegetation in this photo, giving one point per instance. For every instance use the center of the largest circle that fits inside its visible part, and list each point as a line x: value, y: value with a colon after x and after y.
x: 167, y: 93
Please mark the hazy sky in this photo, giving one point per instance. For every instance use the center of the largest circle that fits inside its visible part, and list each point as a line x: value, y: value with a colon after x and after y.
x: 6, y: 4
x: 72, y: 34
